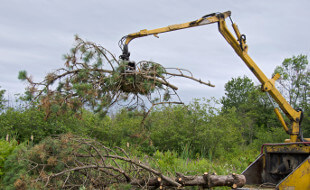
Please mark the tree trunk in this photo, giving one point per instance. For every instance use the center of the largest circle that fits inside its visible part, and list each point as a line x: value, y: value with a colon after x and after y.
x: 204, y: 181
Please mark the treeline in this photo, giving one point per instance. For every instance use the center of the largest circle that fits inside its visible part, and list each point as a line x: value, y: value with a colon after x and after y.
x: 201, y: 128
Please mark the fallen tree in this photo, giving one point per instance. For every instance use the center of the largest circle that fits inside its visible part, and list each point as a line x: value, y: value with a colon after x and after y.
x: 94, y: 78
x: 205, y: 181
x: 71, y: 162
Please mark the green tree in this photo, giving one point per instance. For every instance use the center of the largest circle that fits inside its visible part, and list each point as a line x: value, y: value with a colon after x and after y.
x: 295, y: 80
x: 237, y: 92
x: 22, y: 124
x: 196, y: 130
x: 295, y: 85
x: 2, y: 100
x: 252, y: 106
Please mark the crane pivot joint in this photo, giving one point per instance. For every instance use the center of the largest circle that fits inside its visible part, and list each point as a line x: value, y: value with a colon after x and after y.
x: 270, y: 84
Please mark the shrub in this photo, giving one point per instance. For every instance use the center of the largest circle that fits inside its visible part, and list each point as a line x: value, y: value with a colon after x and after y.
x: 6, y: 149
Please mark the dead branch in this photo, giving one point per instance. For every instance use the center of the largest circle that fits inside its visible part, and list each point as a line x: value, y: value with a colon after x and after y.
x: 190, y: 77
x: 140, y: 164
x: 87, y: 163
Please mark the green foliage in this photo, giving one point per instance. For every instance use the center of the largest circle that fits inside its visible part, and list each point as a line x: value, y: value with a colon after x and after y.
x: 125, y: 130
x: 253, y: 107
x: 197, y: 130
x: 189, y: 139
x: 15, y: 167
x: 21, y: 166
x: 237, y: 92
x: 120, y: 186
x: 22, y: 75
x: 2, y: 100
x: 169, y: 163
x: 295, y: 86
x: 56, y: 163
x: 166, y: 160
x: 295, y: 80
x: 22, y: 124
x: 6, y: 149
x: 272, y: 135
x: 306, y: 123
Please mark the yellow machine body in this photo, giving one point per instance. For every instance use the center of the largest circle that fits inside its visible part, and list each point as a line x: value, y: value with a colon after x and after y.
x: 300, y: 174
x: 283, y: 166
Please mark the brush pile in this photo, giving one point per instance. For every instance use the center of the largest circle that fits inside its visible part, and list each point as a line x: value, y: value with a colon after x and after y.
x: 71, y: 162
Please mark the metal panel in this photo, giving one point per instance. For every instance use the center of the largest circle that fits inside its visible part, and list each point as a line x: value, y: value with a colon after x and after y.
x: 298, y: 179
x: 254, y: 172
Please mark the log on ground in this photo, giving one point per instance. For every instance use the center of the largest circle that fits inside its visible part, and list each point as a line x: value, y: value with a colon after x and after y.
x: 206, y: 181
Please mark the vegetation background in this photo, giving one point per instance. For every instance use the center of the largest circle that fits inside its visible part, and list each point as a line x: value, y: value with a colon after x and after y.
x: 216, y: 135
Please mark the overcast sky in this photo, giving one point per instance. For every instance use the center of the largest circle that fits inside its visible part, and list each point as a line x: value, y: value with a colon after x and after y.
x: 34, y: 34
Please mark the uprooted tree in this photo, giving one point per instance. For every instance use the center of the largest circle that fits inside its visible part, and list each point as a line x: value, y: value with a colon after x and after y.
x: 94, y: 78
x: 70, y: 162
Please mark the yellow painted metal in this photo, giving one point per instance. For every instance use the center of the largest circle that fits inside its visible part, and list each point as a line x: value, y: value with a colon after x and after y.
x: 198, y: 22
x: 290, y: 148
x: 267, y: 84
x: 299, y: 179
x: 270, y: 83
x: 240, y: 47
x: 276, y: 110
x: 235, y: 27
x: 289, y: 140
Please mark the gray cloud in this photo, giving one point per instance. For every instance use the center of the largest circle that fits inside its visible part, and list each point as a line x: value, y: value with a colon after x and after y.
x: 35, y: 33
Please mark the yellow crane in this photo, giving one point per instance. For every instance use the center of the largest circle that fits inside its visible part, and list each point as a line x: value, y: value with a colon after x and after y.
x: 286, y: 165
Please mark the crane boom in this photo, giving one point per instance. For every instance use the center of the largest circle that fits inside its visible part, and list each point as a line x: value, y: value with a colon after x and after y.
x: 238, y: 43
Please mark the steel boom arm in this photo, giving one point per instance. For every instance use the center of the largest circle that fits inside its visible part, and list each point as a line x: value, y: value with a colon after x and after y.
x: 238, y: 43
